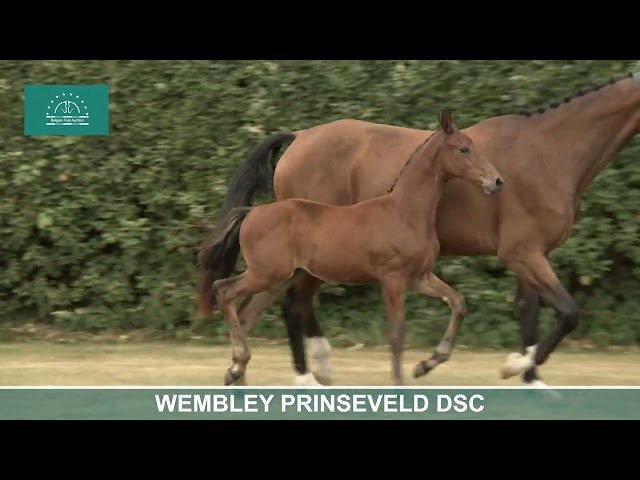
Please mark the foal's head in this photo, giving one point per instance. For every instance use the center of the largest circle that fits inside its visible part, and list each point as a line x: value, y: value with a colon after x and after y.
x: 460, y: 158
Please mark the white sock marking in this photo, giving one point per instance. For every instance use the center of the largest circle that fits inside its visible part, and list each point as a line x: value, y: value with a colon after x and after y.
x: 307, y: 380
x: 320, y: 350
x: 318, y: 347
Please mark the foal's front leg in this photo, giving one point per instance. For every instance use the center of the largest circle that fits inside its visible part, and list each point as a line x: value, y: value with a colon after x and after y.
x: 429, y: 284
x: 393, y: 291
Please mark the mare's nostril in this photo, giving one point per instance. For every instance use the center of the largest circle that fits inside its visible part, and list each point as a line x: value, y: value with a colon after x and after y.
x: 499, y: 182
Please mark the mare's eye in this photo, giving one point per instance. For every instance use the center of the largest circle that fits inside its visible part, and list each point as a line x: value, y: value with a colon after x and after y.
x: 464, y: 150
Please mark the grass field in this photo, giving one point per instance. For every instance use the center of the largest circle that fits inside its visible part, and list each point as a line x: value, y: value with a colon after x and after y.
x: 176, y: 364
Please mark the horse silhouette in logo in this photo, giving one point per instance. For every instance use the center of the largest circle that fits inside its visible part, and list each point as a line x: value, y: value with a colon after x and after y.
x: 67, y: 107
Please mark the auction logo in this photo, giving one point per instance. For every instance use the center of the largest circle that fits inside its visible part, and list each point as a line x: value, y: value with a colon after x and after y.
x: 66, y: 110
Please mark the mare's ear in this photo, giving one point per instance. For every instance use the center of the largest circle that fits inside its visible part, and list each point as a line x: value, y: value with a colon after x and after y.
x: 445, y: 121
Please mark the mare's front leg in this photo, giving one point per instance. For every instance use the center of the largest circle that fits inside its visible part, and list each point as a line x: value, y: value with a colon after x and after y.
x: 534, y: 269
x: 429, y: 284
x: 528, y: 303
x: 394, y: 288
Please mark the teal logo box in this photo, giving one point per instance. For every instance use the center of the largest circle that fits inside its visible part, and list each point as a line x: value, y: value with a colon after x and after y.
x: 66, y: 110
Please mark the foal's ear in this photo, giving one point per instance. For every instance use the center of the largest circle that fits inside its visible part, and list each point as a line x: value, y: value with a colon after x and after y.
x: 445, y: 121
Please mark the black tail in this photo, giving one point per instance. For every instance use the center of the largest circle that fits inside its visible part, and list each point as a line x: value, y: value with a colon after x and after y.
x: 256, y: 174
x: 217, y: 256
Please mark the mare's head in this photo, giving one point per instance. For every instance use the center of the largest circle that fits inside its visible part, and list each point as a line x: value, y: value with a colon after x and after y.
x: 460, y: 158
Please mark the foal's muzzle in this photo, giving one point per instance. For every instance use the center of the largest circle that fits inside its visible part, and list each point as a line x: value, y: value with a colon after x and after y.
x: 494, y: 187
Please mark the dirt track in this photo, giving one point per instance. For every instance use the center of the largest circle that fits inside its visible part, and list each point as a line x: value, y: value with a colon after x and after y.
x: 170, y: 364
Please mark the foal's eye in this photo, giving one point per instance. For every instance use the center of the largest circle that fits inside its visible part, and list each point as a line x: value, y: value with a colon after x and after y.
x: 464, y: 150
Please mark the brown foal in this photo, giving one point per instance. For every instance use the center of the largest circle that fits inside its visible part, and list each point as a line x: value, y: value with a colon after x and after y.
x: 390, y: 240
x: 549, y: 158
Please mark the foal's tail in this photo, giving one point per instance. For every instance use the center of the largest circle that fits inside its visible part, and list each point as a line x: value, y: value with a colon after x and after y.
x: 217, y: 256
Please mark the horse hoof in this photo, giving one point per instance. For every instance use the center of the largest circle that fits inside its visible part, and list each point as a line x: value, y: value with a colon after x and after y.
x: 548, y: 391
x: 307, y: 380
x: 511, y: 366
x: 322, y: 379
x: 240, y: 382
x: 231, y: 377
x: 505, y: 372
x: 537, y: 384
x: 420, y: 370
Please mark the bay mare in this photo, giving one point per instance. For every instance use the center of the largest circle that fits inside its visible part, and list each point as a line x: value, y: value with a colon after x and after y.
x: 548, y: 158
x: 391, y: 240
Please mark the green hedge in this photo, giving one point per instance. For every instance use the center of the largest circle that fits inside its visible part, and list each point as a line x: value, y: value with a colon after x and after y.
x: 101, y: 232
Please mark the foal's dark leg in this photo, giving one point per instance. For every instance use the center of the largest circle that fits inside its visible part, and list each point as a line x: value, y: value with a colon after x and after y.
x: 535, y: 270
x: 528, y: 302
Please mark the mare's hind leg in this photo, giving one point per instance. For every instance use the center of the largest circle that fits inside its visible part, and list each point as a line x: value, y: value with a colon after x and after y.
x: 227, y: 290
x: 304, y: 331
x: 429, y: 284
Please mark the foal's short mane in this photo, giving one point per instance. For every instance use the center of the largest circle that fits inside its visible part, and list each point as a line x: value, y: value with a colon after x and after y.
x: 410, y: 158
x: 580, y: 93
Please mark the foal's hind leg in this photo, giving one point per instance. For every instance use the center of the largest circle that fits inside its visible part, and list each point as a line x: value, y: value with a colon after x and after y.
x: 252, y: 307
x: 430, y: 285
x: 248, y: 313
x: 227, y: 291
